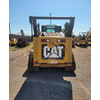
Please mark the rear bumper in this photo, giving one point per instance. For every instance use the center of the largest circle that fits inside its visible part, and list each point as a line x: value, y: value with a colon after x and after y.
x: 83, y: 43
x: 12, y: 43
x: 89, y: 42
x: 52, y: 65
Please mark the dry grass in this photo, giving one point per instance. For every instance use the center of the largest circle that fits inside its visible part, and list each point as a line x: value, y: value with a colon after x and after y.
x: 22, y: 48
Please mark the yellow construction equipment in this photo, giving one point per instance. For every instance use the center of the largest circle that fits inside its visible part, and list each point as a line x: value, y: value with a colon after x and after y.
x: 76, y: 39
x: 9, y: 42
x: 51, y: 49
x: 22, y: 41
x: 13, y: 41
x: 73, y: 41
x: 88, y: 37
x: 81, y: 39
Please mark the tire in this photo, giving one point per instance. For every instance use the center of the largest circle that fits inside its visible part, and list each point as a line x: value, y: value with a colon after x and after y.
x: 86, y: 45
x: 32, y: 68
x: 76, y: 44
x: 81, y: 46
x: 10, y: 45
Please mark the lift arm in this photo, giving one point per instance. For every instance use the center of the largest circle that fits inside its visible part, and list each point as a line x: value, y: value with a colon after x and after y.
x: 32, y: 20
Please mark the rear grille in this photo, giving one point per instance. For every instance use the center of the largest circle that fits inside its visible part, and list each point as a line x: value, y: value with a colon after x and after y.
x: 57, y: 52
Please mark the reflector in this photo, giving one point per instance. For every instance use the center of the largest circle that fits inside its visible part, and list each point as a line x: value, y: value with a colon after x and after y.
x: 63, y: 40
x: 36, y: 61
x: 43, y: 40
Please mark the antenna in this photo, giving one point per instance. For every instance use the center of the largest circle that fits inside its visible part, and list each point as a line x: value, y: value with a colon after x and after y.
x: 9, y: 29
x: 50, y: 18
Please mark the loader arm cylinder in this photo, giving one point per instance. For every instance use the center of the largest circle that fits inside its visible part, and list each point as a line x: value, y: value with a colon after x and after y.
x: 35, y: 27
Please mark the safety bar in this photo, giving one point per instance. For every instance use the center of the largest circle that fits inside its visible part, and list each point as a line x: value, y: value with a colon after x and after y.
x: 32, y: 20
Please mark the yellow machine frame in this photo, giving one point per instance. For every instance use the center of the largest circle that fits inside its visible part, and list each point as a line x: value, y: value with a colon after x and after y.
x: 81, y: 42
x: 73, y: 45
x: 75, y: 40
x: 14, y: 42
x: 9, y: 42
x: 46, y: 63
x: 36, y: 59
x: 88, y: 33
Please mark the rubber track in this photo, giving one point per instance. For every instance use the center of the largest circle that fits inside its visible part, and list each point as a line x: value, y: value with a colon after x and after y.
x: 30, y: 62
x: 73, y: 67
x: 73, y: 63
x: 32, y: 68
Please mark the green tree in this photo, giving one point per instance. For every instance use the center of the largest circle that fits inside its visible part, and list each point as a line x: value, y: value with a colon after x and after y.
x: 63, y: 30
x: 72, y: 33
x: 90, y: 29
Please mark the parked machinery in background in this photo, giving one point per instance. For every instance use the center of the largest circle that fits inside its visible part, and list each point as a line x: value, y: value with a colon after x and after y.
x: 13, y: 41
x: 82, y: 39
x: 89, y: 38
x: 73, y: 41
x: 9, y: 43
x: 22, y: 41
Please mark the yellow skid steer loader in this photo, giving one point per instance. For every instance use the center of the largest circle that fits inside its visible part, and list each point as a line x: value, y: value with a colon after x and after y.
x: 51, y: 49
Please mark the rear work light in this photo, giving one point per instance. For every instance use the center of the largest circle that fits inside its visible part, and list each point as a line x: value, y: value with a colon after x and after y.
x: 36, y: 61
x: 45, y: 40
x: 61, y: 40
x: 48, y: 40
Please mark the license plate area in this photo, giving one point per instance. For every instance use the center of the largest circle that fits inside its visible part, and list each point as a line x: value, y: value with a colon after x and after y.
x: 53, y: 61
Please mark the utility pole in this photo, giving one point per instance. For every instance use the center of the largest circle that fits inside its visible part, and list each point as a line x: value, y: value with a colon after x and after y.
x: 9, y: 29
x: 9, y: 32
x: 50, y: 19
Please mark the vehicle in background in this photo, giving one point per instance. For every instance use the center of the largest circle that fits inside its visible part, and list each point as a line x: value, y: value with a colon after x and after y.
x: 22, y: 41
x: 13, y: 41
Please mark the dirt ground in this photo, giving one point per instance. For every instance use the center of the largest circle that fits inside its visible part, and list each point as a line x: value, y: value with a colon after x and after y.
x: 50, y: 83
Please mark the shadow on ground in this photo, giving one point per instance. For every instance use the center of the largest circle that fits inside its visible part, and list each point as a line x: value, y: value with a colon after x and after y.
x: 47, y: 84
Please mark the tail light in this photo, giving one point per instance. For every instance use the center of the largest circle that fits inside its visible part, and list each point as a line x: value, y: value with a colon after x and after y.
x: 45, y: 40
x: 36, y: 61
x: 63, y: 40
